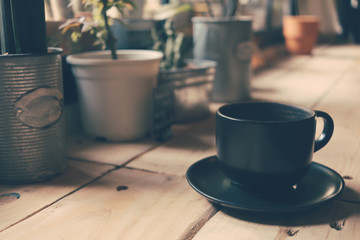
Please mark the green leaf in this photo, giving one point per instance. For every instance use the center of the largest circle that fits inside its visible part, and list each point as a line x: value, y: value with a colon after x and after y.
x: 75, y: 36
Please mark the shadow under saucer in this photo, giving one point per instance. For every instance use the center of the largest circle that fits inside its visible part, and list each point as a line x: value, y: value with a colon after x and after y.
x: 319, y: 186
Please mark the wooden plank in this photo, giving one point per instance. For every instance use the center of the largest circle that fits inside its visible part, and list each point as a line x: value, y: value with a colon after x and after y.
x: 297, y: 86
x: 301, y: 79
x: 338, y: 220
x: 125, y: 204
x: 290, y: 61
x: 17, y: 202
x: 116, y: 153
x: 343, y: 151
x: 340, y: 51
x: 327, y: 63
x: 175, y: 156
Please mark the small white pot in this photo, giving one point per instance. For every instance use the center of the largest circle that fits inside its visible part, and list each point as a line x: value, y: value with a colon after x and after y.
x: 115, y: 95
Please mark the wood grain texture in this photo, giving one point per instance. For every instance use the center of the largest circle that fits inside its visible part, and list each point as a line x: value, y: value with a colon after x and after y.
x: 296, y: 86
x: 343, y: 151
x: 17, y: 202
x: 338, y: 220
x: 116, y: 153
x: 176, y: 155
x: 153, y: 206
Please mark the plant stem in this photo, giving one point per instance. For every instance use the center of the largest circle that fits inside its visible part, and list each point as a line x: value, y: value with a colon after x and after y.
x: 110, y: 39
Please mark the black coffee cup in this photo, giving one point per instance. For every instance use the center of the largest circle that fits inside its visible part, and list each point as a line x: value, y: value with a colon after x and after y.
x: 268, y: 144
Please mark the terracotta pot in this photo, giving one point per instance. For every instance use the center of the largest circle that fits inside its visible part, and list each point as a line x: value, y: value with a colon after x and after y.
x: 300, y: 33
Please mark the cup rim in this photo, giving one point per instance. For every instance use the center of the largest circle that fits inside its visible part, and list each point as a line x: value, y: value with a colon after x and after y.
x: 311, y: 113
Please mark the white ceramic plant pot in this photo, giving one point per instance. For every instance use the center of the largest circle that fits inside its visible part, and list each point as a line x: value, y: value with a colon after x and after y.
x: 115, y: 96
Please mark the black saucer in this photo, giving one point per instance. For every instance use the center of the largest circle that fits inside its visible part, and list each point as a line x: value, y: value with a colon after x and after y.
x: 319, y: 186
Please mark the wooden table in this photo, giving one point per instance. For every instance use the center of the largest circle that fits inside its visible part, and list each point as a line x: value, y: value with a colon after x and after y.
x: 139, y: 190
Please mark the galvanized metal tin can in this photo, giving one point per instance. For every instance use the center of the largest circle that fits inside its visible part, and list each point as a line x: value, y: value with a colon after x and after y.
x: 192, y: 89
x: 32, y: 125
x: 228, y: 42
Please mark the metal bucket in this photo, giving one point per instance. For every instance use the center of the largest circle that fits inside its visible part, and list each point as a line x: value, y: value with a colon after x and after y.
x: 192, y: 89
x: 228, y: 42
x: 32, y: 126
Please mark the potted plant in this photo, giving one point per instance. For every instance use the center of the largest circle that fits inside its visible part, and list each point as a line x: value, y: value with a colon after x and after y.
x: 226, y: 39
x: 32, y: 127
x: 300, y: 31
x: 114, y: 86
x: 191, y: 79
x: 136, y: 32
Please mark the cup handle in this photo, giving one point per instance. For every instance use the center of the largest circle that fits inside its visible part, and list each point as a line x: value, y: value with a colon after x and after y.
x: 327, y: 132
